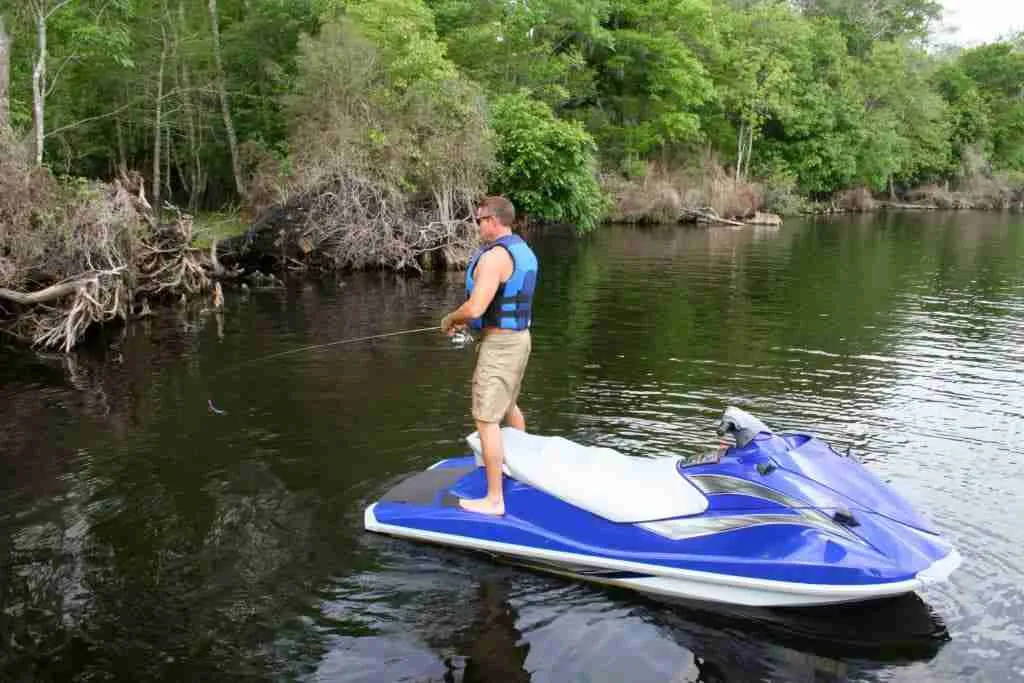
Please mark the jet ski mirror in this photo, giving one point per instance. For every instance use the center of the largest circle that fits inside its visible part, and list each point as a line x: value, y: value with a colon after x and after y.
x: 741, y: 425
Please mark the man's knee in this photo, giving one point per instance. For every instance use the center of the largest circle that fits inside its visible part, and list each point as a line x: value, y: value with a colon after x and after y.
x: 514, y: 417
x: 490, y: 436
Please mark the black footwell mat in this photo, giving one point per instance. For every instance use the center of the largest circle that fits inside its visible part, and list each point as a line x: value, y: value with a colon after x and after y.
x: 422, y: 488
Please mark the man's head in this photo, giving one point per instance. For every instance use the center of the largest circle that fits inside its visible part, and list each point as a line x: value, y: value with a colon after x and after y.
x: 495, y: 215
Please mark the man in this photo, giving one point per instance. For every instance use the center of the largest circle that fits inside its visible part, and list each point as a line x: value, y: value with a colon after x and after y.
x: 500, y: 281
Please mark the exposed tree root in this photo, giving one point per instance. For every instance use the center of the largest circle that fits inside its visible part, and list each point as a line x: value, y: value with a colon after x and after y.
x: 356, y: 223
x: 78, y: 254
x: 86, y: 255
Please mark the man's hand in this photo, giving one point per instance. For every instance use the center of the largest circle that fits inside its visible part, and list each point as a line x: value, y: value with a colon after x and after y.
x: 449, y: 326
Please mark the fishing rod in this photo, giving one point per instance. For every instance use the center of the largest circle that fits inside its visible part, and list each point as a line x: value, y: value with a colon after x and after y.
x: 314, y: 347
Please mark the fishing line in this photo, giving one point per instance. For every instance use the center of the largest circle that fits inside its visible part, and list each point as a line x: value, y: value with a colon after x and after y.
x: 214, y: 409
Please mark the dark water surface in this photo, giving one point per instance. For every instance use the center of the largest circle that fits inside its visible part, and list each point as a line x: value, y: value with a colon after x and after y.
x: 144, y: 538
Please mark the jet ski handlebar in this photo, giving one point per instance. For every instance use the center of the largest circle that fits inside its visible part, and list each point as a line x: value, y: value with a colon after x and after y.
x: 741, y: 425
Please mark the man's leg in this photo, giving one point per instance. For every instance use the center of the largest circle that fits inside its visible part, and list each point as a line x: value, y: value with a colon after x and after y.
x: 496, y: 382
x: 494, y: 457
x: 514, y: 418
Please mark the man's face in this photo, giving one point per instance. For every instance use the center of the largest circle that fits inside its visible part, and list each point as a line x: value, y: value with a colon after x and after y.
x: 490, y: 228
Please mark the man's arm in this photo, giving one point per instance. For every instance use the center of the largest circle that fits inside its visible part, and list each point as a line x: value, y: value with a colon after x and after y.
x: 486, y: 280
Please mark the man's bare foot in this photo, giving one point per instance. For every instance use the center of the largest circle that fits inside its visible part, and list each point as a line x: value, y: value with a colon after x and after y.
x: 484, y: 506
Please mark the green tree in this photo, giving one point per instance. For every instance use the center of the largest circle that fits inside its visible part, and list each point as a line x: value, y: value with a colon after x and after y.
x: 813, y: 138
x: 866, y: 22
x: 998, y: 71
x: 540, y: 48
x: 906, y: 134
x: 545, y: 165
x: 650, y: 78
x: 765, y: 51
x: 969, y: 115
x: 388, y: 107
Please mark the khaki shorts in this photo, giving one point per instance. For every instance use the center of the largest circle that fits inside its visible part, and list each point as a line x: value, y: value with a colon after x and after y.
x: 500, y: 364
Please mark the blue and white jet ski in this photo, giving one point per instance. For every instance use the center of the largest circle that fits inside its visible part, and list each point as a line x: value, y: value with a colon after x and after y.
x: 776, y: 520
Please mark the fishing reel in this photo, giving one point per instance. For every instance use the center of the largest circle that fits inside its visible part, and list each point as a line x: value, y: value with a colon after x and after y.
x: 462, y: 338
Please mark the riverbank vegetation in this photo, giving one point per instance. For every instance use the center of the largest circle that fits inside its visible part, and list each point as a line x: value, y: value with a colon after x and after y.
x: 359, y: 133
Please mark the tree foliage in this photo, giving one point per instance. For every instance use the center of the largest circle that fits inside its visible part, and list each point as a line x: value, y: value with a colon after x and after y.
x: 997, y: 71
x: 867, y: 22
x: 650, y: 79
x: 820, y: 95
x: 545, y: 165
x: 394, y: 110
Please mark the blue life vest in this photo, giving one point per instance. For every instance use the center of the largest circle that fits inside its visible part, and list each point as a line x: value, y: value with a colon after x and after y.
x: 512, y: 305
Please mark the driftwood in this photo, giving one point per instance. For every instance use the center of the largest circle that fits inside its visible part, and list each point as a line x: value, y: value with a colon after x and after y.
x: 168, y: 263
x: 709, y: 215
x: 761, y: 218
x: 145, y: 260
x: 42, y: 296
x: 91, y: 298
x: 218, y: 269
x: 901, y: 205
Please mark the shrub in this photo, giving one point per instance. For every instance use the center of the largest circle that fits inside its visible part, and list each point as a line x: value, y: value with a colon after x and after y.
x: 857, y: 200
x: 545, y: 165
x: 668, y: 195
x: 649, y: 198
x: 390, y: 147
x: 782, y: 195
x: 933, y: 195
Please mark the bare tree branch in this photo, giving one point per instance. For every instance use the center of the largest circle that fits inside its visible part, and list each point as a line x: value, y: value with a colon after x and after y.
x: 56, y: 76
x: 56, y: 8
x: 114, y: 112
x: 5, y: 73
x: 56, y: 291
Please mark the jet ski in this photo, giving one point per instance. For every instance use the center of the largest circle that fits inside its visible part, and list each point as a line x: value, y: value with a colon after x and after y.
x: 773, y: 520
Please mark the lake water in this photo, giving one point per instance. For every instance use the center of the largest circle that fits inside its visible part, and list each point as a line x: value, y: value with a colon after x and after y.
x: 144, y: 537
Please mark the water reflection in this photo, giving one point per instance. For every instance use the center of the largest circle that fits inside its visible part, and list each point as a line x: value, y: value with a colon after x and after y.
x: 494, y: 648
x: 448, y: 616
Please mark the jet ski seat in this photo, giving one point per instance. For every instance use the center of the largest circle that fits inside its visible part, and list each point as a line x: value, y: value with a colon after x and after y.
x: 600, y: 480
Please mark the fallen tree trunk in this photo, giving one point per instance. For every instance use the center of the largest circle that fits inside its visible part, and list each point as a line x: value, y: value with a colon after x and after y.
x: 95, y: 297
x: 905, y: 206
x: 51, y: 293
x: 761, y: 218
x: 710, y: 216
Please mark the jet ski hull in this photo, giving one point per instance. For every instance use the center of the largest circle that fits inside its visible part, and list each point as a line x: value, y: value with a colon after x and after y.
x: 767, y: 556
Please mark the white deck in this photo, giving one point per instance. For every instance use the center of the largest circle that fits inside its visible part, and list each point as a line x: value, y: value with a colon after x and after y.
x: 602, y: 481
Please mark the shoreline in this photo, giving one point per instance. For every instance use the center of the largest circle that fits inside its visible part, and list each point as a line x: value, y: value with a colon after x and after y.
x: 242, y: 280
x: 886, y: 207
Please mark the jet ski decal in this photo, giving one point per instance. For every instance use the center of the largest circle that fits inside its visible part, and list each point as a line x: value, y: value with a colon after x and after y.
x: 714, y: 484
x: 679, y: 529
